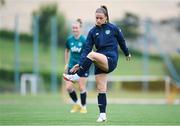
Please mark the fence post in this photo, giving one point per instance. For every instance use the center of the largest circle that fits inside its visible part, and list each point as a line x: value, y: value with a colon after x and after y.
x: 145, y: 56
x: 17, y: 52
x: 36, y: 45
x: 167, y: 86
x: 54, y: 54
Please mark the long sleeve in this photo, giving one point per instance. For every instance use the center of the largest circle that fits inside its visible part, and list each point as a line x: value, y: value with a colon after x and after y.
x: 121, y: 41
x: 87, y: 48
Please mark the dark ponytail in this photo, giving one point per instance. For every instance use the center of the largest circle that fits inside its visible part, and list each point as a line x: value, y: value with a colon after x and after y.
x: 106, y: 14
x: 79, y: 21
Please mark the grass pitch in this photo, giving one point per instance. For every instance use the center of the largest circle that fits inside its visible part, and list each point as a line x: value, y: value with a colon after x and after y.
x: 50, y: 110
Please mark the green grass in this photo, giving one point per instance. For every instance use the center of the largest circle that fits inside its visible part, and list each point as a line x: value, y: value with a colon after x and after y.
x: 50, y: 110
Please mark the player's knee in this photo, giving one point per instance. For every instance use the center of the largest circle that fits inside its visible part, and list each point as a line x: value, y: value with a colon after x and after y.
x: 101, y: 88
x: 91, y: 55
x: 81, y: 88
x: 69, y: 88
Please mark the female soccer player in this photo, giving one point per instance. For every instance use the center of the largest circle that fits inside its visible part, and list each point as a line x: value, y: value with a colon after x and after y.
x: 106, y: 37
x: 74, y: 47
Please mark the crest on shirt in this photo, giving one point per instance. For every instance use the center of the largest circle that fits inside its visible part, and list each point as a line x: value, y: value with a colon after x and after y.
x: 76, y: 49
x: 72, y: 44
x: 97, y: 34
x: 107, y: 32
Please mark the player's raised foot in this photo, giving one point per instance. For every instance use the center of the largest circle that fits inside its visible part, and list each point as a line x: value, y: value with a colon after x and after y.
x: 72, y: 78
x: 102, y: 118
x: 75, y: 108
x: 83, y: 110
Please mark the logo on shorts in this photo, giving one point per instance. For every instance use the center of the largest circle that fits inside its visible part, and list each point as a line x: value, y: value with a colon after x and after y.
x: 86, y: 74
x: 107, y: 32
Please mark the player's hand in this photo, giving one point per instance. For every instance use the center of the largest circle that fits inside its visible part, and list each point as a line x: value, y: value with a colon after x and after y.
x: 75, y: 68
x: 128, y: 58
x: 65, y: 67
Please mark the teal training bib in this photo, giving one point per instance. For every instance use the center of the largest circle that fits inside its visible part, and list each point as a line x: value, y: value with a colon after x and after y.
x: 75, y: 46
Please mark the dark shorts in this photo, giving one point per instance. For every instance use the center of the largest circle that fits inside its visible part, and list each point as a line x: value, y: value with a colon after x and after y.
x: 112, y: 63
x: 84, y: 75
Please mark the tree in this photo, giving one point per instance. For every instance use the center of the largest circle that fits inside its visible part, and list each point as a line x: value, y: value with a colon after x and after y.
x: 129, y: 25
x: 178, y: 24
x: 2, y: 2
x: 178, y: 4
x: 45, y: 13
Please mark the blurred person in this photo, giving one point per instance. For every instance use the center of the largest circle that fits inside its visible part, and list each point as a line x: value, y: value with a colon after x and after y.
x: 74, y: 46
x: 106, y: 37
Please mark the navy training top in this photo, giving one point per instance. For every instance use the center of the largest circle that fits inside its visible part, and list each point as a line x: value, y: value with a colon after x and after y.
x: 106, y: 39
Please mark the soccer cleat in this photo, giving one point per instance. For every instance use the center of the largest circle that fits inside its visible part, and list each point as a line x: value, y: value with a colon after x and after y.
x: 83, y: 110
x: 102, y: 118
x: 75, y: 108
x: 71, y: 78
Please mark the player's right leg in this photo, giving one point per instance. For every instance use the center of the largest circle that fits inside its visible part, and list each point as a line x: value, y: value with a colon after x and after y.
x: 100, y: 61
x: 72, y: 93
x: 101, y: 81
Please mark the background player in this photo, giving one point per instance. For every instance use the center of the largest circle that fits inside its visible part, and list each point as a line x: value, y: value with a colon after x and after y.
x: 74, y: 46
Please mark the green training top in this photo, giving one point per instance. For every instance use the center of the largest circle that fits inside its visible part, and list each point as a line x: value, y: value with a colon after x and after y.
x: 75, y: 46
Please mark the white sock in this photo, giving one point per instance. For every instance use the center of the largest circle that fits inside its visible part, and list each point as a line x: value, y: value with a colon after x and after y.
x: 103, y: 115
x: 84, y: 107
x: 77, y: 102
x: 82, y: 91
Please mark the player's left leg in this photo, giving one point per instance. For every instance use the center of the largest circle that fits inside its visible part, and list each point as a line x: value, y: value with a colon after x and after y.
x: 101, y: 81
x: 83, y: 94
x: 72, y: 93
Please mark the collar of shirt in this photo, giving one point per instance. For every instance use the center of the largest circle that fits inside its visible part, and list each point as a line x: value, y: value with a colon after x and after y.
x: 101, y: 25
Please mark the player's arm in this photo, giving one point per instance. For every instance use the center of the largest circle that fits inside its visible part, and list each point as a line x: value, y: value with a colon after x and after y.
x: 87, y: 47
x: 66, y: 57
x: 86, y: 50
x: 122, y: 43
